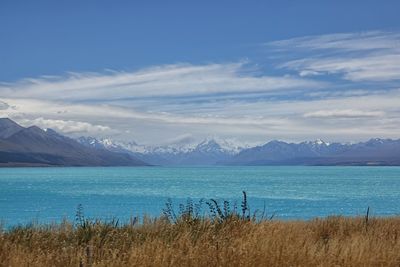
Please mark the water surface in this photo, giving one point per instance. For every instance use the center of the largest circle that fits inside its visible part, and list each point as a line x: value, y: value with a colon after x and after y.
x: 51, y: 194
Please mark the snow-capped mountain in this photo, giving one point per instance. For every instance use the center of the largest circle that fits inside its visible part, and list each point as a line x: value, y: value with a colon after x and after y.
x: 109, y: 144
x: 373, y: 152
x: 212, y: 151
x: 90, y: 142
x: 207, y: 145
x: 182, y: 152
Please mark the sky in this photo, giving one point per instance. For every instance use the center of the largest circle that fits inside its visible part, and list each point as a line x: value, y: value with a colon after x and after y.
x: 157, y: 72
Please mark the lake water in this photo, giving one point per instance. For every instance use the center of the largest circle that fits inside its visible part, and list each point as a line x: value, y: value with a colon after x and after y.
x: 51, y: 194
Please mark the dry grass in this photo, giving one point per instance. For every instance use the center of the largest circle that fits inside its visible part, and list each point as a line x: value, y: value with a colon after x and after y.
x: 334, y: 241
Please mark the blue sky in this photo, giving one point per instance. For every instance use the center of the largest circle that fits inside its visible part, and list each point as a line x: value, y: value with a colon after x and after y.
x: 156, y: 72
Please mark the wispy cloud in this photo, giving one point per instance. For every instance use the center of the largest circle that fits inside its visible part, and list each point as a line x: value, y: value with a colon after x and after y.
x: 368, y: 56
x: 68, y: 126
x: 349, y: 118
x: 359, y: 41
x: 4, y: 105
x: 169, y: 80
x: 344, y: 113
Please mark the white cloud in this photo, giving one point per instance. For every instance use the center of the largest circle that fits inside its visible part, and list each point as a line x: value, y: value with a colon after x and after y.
x: 66, y: 126
x: 380, y: 67
x: 344, y: 118
x: 4, y: 105
x: 24, y: 107
x: 169, y: 80
x: 359, y: 41
x: 369, y: 56
x: 344, y: 113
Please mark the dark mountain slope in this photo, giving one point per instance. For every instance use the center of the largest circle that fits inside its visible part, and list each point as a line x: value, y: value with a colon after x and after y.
x: 33, y: 146
x: 8, y: 128
x: 372, y: 152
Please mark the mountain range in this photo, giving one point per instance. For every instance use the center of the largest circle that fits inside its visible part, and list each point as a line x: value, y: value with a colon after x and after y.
x: 221, y: 152
x: 373, y: 152
x: 210, y: 151
x: 33, y: 146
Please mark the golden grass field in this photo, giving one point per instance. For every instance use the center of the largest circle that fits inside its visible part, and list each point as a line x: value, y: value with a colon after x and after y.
x: 234, y: 241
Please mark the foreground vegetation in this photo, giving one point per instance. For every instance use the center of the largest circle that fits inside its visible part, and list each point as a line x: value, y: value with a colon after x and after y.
x: 220, y: 238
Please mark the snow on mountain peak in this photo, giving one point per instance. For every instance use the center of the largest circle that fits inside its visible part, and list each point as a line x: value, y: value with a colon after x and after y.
x: 209, y: 144
x: 317, y: 142
x: 107, y: 142
x: 321, y: 142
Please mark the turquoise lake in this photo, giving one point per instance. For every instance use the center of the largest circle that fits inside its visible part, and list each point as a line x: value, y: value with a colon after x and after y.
x: 50, y: 194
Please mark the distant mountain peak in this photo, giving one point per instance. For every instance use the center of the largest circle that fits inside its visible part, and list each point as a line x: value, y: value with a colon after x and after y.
x: 8, y: 127
x: 276, y: 142
x: 317, y: 142
x: 35, y: 129
x: 378, y: 140
x: 208, y: 145
x: 90, y: 142
x: 208, y: 142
